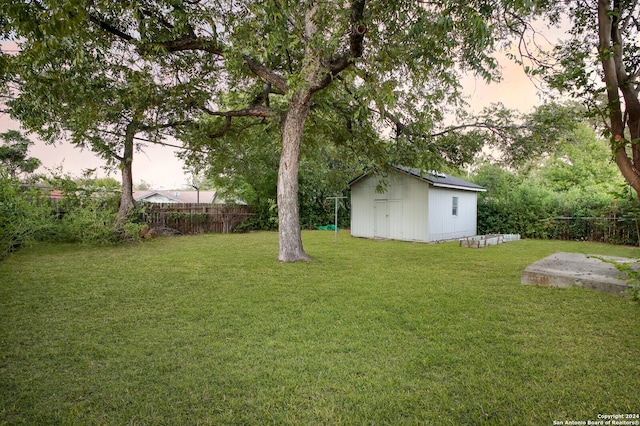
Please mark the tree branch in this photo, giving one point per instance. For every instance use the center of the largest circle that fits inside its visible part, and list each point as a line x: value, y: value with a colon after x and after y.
x: 149, y: 14
x: 167, y: 125
x: 155, y: 142
x: 266, y: 74
x: 402, y: 128
x: 337, y: 64
x: 251, y: 111
x: 188, y: 42
x: 106, y: 26
x: 356, y: 40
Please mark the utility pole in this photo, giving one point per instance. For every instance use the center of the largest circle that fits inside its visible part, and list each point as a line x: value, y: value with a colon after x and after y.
x: 197, y: 193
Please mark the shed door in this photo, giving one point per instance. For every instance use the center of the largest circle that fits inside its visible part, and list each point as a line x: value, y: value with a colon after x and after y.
x: 395, y: 219
x: 381, y: 222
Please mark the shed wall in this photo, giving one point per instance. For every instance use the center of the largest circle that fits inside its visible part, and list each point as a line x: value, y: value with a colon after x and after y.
x: 443, y: 224
x: 362, y: 208
x: 398, y: 213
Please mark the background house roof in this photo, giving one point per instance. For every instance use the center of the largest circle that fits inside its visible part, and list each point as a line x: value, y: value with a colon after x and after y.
x: 176, y: 196
x: 56, y: 194
x: 206, y: 197
x: 436, y: 179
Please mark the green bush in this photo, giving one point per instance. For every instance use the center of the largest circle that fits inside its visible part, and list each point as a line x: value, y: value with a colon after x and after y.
x: 27, y: 213
x: 519, y: 212
x: 23, y: 214
x: 91, y: 222
x: 535, y: 211
x: 83, y: 216
x: 265, y: 217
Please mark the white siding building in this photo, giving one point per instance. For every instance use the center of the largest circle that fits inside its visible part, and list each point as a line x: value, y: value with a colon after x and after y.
x: 413, y: 206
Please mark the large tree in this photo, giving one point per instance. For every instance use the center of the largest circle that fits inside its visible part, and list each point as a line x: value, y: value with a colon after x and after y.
x: 72, y: 80
x: 388, y: 63
x: 91, y: 108
x: 598, y: 63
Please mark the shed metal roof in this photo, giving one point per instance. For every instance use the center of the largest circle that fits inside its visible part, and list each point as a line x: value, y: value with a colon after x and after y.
x: 436, y: 179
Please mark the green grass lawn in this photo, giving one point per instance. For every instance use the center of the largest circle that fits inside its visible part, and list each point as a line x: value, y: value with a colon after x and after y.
x: 213, y: 330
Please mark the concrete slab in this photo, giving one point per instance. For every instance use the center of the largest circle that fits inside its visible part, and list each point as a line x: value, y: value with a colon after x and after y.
x: 573, y: 269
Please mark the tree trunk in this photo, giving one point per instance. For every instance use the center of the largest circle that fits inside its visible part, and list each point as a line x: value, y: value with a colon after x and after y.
x: 127, y: 203
x: 617, y: 81
x: 290, y: 237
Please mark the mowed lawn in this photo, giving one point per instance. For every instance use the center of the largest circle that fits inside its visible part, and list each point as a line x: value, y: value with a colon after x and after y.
x: 213, y: 330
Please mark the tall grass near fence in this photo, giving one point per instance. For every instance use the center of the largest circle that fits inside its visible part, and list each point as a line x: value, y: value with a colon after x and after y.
x: 28, y: 213
x: 212, y: 329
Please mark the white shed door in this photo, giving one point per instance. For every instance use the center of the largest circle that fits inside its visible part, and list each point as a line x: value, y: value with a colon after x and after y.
x: 395, y: 219
x: 381, y: 222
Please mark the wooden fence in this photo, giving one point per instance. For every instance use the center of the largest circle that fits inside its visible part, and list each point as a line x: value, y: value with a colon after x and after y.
x: 192, y: 218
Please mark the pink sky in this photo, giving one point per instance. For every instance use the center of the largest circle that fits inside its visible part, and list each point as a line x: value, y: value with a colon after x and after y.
x: 159, y: 166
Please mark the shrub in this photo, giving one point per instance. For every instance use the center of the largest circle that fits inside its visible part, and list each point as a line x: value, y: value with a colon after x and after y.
x: 83, y: 216
x: 520, y: 212
x: 265, y: 217
x: 23, y: 214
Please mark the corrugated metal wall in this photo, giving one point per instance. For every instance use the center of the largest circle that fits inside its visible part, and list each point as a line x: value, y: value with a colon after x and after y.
x: 399, y: 213
x: 443, y: 225
x: 410, y: 210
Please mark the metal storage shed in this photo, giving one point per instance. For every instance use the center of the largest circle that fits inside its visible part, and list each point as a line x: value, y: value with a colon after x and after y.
x: 414, y: 206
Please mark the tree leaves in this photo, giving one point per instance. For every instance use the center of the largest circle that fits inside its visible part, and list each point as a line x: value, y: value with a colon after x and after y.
x: 14, y: 159
x: 598, y: 64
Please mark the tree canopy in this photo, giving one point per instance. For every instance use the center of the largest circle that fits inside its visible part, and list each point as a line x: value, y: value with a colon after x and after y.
x: 376, y: 77
x: 598, y: 63
x: 72, y: 80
